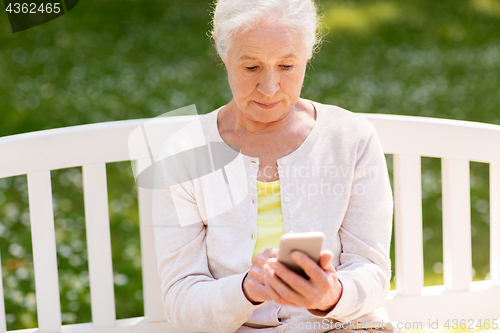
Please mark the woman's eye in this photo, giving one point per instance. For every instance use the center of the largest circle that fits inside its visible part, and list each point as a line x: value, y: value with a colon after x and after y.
x: 252, y: 68
x: 287, y: 67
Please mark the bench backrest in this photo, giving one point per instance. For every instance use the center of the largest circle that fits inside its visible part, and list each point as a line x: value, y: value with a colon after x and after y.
x: 407, y: 138
x: 456, y: 143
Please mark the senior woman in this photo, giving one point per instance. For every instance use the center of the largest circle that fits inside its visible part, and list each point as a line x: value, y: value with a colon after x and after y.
x: 301, y: 166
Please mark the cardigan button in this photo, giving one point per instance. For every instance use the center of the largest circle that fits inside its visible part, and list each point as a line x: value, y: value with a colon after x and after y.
x: 287, y: 199
x: 283, y: 161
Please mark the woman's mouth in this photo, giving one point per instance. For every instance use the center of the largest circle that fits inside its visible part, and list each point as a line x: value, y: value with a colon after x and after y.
x: 267, y: 106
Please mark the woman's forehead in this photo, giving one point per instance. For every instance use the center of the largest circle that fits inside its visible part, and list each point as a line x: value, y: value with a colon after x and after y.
x: 259, y: 42
x: 258, y: 33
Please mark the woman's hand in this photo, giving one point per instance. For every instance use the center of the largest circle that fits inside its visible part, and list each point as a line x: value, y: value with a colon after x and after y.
x: 253, y: 283
x: 321, y: 292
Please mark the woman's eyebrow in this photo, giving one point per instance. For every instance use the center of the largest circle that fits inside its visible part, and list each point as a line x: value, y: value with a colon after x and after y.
x: 286, y: 56
x: 246, y: 57
x: 290, y: 55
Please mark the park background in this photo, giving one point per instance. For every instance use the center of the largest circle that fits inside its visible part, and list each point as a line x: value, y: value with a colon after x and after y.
x: 117, y: 60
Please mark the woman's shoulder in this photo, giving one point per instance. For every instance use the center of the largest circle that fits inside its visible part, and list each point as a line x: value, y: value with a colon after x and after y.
x: 339, y: 120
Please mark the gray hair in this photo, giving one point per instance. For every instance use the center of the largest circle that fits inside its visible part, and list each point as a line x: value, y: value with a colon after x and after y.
x: 233, y: 16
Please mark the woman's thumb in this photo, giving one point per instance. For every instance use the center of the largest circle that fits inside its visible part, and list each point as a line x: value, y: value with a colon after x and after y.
x: 325, y: 261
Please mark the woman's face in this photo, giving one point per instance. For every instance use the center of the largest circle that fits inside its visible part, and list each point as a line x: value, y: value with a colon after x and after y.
x: 266, y: 67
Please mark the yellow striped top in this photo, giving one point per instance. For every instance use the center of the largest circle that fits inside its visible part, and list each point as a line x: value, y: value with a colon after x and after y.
x: 269, y: 218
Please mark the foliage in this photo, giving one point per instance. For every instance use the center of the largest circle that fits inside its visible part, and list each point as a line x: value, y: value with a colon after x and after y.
x: 116, y: 60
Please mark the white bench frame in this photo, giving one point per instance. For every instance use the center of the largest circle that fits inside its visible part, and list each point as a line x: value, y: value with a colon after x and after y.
x: 408, y: 138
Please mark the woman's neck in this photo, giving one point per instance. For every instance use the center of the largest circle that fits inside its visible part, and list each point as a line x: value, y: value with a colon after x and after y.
x: 237, y: 122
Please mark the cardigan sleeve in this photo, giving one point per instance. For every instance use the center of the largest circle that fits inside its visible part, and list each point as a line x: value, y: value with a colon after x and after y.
x: 365, y: 234
x: 194, y: 300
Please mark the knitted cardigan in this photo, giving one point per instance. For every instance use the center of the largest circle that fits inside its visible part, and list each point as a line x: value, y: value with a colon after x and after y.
x: 205, y: 228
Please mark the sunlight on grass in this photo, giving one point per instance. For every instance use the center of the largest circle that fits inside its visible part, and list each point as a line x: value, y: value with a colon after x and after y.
x: 453, y: 31
x: 360, y: 19
x: 491, y: 7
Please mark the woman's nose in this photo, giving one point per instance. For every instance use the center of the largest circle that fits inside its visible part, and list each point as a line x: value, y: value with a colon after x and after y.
x: 269, y: 84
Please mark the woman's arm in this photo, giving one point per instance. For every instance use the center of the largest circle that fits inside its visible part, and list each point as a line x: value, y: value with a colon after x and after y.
x: 365, y: 234
x: 360, y: 283
x: 194, y: 301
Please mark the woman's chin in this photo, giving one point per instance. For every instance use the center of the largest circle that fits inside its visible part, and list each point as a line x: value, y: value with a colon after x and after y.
x: 266, y: 116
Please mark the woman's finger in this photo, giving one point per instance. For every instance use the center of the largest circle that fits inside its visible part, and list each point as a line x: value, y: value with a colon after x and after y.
x: 271, y: 253
x: 274, y: 294
x: 259, y: 292
x: 280, y: 286
x: 254, y: 290
x: 257, y: 273
x: 296, y: 282
x: 310, y: 267
x: 261, y: 258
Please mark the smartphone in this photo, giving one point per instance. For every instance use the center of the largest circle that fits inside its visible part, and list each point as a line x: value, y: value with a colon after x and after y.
x: 308, y: 242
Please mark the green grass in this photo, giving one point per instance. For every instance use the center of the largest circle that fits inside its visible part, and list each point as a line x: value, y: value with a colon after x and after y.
x: 115, y: 60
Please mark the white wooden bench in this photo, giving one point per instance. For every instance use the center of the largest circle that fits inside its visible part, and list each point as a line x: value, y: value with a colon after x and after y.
x: 408, y: 138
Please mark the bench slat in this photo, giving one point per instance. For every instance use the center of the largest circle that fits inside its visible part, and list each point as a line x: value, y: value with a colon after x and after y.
x: 75, y: 145
x: 495, y: 223
x: 457, y: 256
x: 408, y: 224
x: 108, y: 142
x: 44, y: 251
x: 99, y: 245
x: 436, y: 137
x: 153, y: 306
x: 442, y: 305
x: 128, y: 325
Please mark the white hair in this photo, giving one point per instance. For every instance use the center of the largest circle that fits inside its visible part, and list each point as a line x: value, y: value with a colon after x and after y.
x: 233, y: 16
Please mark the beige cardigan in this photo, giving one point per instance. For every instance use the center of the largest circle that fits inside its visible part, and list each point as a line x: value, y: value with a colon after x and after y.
x: 205, y: 229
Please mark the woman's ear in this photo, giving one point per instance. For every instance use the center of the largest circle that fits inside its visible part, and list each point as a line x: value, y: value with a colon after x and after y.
x: 218, y: 52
